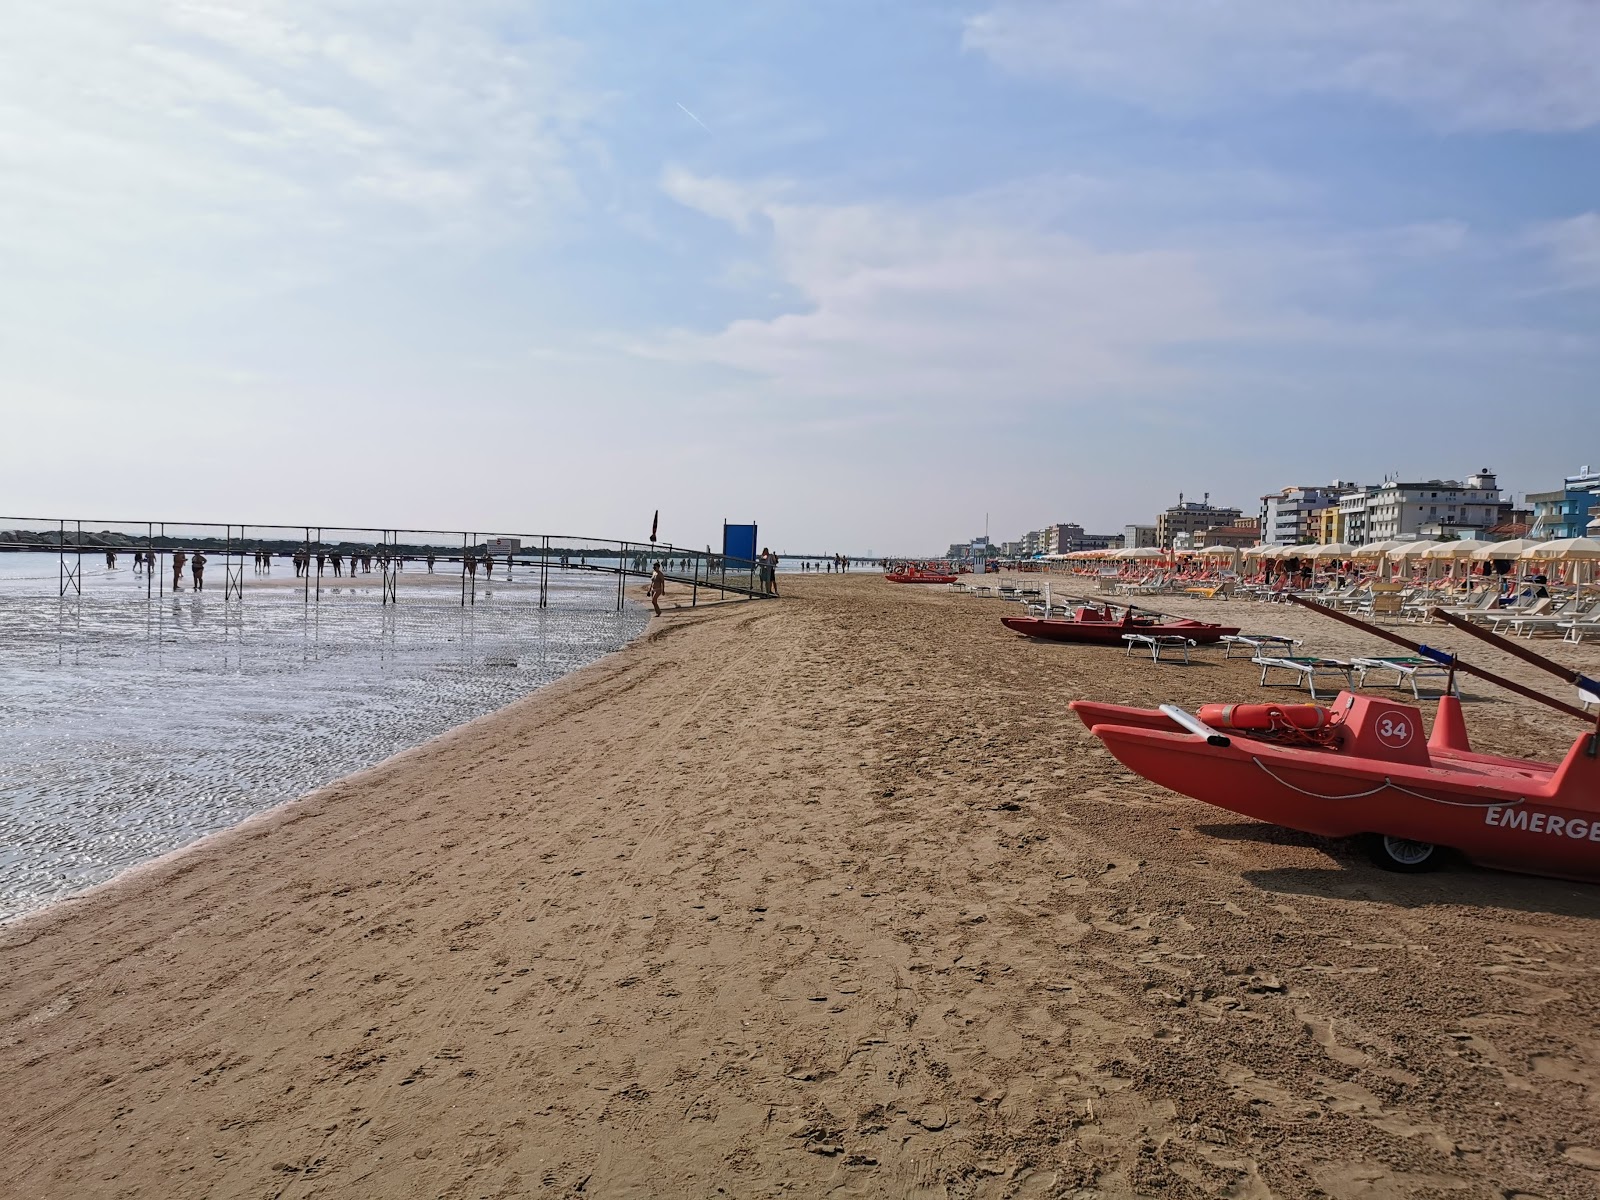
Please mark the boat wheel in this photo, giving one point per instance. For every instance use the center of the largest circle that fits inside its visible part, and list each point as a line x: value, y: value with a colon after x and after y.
x: 1403, y: 854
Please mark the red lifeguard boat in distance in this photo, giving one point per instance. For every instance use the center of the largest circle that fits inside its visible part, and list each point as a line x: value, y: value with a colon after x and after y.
x: 1102, y: 626
x: 1363, y: 767
x: 919, y: 575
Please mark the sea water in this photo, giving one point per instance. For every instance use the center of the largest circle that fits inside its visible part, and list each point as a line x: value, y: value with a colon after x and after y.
x: 130, y: 726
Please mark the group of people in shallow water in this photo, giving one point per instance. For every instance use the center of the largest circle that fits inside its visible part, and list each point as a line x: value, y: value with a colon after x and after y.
x: 839, y: 562
x: 145, y: 561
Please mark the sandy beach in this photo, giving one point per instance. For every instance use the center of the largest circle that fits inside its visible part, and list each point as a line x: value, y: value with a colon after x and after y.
x: 826, y: 896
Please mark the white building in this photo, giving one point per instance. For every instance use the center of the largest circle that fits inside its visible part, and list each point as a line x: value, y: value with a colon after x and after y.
x: 1138, y: 537
x: 1286, y: 515
x: 1354, y: 515
x: 1402, y: 510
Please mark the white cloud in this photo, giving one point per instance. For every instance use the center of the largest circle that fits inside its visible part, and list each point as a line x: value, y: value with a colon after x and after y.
x: 137, y: 140
x: 1459, y: 64
x: 985, y: 298
x: 901, y: 304
x: 1573, y: 247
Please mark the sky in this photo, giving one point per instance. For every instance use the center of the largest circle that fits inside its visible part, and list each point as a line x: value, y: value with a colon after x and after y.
x: 868, y: 273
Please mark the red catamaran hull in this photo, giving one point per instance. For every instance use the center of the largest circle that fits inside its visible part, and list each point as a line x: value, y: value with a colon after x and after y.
x: 920, y: 578
x: 1381, y: 778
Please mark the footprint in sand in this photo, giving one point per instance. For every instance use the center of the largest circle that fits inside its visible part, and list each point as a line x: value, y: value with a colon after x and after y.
x: 1322, y: 1032
x: 1367, y: 1181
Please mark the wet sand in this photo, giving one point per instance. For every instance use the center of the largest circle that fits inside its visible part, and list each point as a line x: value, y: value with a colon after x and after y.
x: 826, y: 896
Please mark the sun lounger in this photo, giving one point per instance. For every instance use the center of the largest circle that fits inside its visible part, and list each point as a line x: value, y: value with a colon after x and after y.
x: 1576, y: 628
x: 1587, y: 698
x: 1306, y: 669
x: 1255, y: 643
x: 1495, y: 618
x: 1407, y: 669
x: 1159, y: 642
x: 1485, y: 603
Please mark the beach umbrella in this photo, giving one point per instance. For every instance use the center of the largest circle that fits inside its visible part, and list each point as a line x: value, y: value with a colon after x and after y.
x: 1333, y: 550
x: 1564, y: 549
x: 1376, y: 549
x: 1507, y: 551
x: 1405, y: 550
x: 1143, y: 552
x: 1450, y: 550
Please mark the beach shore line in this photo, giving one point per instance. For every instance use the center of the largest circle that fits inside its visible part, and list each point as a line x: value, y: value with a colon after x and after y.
x: 826, y: 895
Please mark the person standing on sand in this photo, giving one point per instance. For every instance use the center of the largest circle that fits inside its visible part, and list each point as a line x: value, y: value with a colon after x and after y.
x: 656, y: 588
x: 197, y: 571
x: 178, y: 559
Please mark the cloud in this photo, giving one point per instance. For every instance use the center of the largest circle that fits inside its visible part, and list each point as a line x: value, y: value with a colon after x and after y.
x: 141, y: 139
x: 908, y: 304
x: 1573, y: 248
x: 1004, y: 300
x: 1457, y: 64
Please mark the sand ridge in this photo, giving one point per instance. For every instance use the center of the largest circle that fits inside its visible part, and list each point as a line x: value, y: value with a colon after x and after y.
x: 825, y: 896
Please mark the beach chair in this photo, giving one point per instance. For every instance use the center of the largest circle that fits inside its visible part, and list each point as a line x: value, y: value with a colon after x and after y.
x: 1356, y: 597
x: 1385, y: 600
x: 1485, y: 603
x: 1306, y: 669
x: 1575, y: 630
x: 1587, y: 698
x: 1550, y: 622
x: 1255, y: 644
x: 1499, y: 619
x: 1157, y: 642
x: 1407, y: 669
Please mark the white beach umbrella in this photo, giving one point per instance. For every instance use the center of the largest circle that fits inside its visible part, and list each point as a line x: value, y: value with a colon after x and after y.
x: 1143, y: 552
x: 1333, y: 550
x: 1376, y: 549
x: 1407, y: 550
x: 1507, y: 551
x: 1457, y: 549
x: 1564, y: 549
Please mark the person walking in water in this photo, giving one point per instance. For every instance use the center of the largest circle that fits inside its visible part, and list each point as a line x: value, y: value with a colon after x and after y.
x: 656, y: 588
x: 197, y: 571
x: 178, y: 559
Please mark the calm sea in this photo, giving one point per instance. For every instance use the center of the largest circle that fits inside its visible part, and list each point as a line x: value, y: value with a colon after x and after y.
x: 134, y: 725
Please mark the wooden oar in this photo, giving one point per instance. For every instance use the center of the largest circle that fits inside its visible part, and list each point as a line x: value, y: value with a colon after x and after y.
x: 1445, y: 658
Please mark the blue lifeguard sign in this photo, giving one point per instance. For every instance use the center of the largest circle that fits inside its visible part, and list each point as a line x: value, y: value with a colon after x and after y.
x: 738, y: 544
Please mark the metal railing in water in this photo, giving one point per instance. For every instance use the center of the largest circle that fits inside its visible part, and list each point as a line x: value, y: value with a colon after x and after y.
x: 319, y: 556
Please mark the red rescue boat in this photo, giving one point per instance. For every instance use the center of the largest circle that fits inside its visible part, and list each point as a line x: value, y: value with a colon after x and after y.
x: 1102, y: 626
x: 921, y: 573
x: 1363, y: 767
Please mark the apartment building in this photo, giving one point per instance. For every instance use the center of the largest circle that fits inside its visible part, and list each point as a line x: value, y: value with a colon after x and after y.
x: 1398, y: 509
x: 1353, y: 515
x: 1138, y: 537
x: 1192, y: 518
x: 1573, y: 510
x: 1286, y: 515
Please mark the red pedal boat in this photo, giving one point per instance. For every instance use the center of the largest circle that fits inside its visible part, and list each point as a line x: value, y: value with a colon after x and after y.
x: 1363, y: 767
x: 1102, y: 626
x: 918, y: 577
